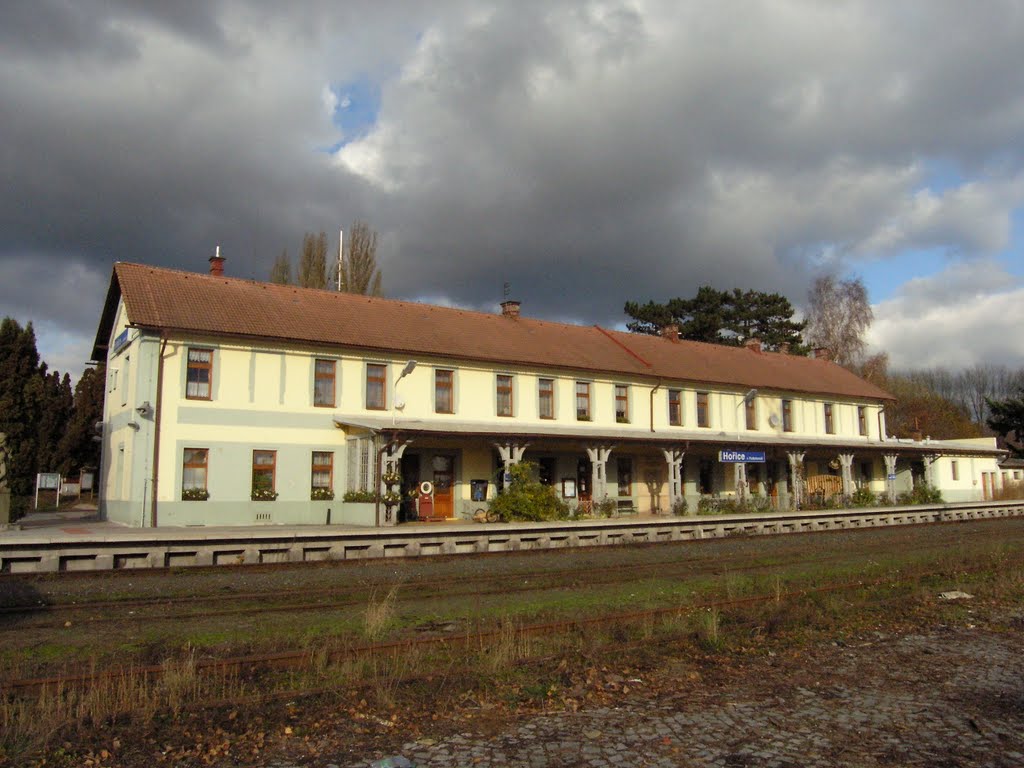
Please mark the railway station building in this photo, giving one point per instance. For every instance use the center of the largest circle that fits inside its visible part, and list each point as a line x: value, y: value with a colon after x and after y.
x: 235, y: 402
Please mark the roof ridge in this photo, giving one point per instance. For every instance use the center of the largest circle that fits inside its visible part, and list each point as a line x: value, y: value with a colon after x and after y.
x: 345, y: 296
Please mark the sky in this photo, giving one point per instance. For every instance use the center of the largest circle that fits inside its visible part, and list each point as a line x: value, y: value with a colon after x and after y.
x: 585, y: 153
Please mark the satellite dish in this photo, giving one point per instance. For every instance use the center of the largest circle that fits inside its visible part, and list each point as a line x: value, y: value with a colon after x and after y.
x: 774, y: 420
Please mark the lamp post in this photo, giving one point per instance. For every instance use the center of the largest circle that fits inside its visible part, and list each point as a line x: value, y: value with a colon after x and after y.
x: 398, y: 404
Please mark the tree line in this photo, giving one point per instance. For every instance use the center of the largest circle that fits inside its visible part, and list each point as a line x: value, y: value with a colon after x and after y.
x: 49, y: 427
x: 358, y: 266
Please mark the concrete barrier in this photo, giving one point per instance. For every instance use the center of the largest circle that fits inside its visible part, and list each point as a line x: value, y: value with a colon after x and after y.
x: 178, y: 547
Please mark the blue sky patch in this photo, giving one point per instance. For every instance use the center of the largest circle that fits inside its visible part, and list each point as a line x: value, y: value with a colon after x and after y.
x: 357, y: 109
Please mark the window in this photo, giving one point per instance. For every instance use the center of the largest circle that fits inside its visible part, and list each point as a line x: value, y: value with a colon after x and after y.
x: 675, y: 407
x: 193, y: 470
x: 955, y: 470
x: 1016, y: 474
x: 323, y: 471
x: 264, y: 471
x: 546, y: 398
x: 199, y: 374
x: 361, y: 453
x: 787, y: 415
x: 621, y: 404
x: 866, y: 472
x: 504, y: 392
x: 830, y: 425
x: 624, y: 470
x: 703, y: 419
x: 862, y: 420
x: 444, y: 402
x: 376, y: 386
x: 323, y: 383
x: 750, y: 408
x: 582, y: 401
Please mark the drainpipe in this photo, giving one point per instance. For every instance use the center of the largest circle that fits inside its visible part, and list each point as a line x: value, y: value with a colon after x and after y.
x: 656, y: 388
x: 157, y: 410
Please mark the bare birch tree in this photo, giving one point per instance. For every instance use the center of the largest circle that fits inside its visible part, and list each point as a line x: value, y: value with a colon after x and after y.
x: 359, y: 273
x: 839, y: 315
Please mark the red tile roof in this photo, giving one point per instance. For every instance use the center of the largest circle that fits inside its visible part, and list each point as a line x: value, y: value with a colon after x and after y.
x: 224, y: 306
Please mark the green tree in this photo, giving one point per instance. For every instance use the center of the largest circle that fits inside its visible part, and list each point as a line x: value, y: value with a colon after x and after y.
x: 313, y: 261
x: 1006, y: 417
x: 359, y: 272
x: 56, y: 404
x: 722, y: 317
x: 21, y: 392
x: 281, y: 272
x: 77, y: 448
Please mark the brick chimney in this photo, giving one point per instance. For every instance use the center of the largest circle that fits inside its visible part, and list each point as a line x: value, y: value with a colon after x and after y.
x: 510, y: 308
x: 822, y: 353
x: 217, y: 264
x: 753, y: 343
x: 670, y: 331
x: 783, y: 347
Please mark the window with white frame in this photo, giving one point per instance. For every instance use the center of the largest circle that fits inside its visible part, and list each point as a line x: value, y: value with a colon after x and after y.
x: 361, y: 458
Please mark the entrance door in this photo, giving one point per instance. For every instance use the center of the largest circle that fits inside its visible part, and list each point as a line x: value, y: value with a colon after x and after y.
x: 410, y: 483
x: 444, y: 477
x: 583, y: 473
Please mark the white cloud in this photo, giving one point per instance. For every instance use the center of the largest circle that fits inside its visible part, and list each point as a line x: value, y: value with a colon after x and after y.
x: 965, y: 315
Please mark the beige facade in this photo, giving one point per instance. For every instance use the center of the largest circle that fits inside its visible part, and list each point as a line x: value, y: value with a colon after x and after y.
x: 196, y: 422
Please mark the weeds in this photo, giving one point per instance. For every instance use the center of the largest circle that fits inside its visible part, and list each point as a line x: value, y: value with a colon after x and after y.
x: 379, y: 614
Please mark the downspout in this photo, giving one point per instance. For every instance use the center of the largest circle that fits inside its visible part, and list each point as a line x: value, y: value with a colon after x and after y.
x: 656, y: 387
x: 156, y: 419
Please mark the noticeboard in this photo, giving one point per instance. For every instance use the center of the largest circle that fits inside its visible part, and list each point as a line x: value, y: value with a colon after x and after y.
x: 48, y: 481
x: 86, y: 480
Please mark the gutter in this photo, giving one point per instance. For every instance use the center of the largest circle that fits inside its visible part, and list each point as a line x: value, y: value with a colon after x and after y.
x: 656, y: 388
x: 157, y: 411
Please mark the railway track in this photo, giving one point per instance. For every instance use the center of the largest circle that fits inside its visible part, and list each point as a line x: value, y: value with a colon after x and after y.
x: 341, y: 596
x: 294, y: 659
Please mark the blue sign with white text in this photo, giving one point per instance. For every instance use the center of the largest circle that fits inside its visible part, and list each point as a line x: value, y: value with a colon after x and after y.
x: 741, y: 457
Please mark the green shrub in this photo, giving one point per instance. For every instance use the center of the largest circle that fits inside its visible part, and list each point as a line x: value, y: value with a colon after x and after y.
x: 680, y: 507
x: 359, y: 496
x: 527, y: 499
x: 606, y: 507
x: 921, y: 494
x: 863, y: 497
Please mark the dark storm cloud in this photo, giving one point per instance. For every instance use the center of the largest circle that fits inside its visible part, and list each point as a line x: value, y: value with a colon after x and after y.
x: 588, y: 153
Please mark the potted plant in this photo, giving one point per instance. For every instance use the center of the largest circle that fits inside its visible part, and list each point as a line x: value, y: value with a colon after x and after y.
x: 195, y: 494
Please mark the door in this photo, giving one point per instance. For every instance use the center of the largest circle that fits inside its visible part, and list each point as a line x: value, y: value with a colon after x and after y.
x: 444, y: 477
x: 410, y: 484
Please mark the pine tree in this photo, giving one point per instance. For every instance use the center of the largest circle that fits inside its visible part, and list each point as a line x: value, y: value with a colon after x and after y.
x: 21, y: 392
x: 55, y: 407
x: 77, y: 448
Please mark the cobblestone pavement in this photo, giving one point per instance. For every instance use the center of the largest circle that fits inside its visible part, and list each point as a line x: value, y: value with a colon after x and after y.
x: 944, y: 699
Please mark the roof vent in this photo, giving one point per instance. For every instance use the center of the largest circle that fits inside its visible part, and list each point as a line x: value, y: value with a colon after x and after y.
x: 217, y: 264
x: 670, y: 331
x: 510, y: 308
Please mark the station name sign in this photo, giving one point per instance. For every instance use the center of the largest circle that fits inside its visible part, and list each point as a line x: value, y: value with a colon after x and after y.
x: 741, y: 457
